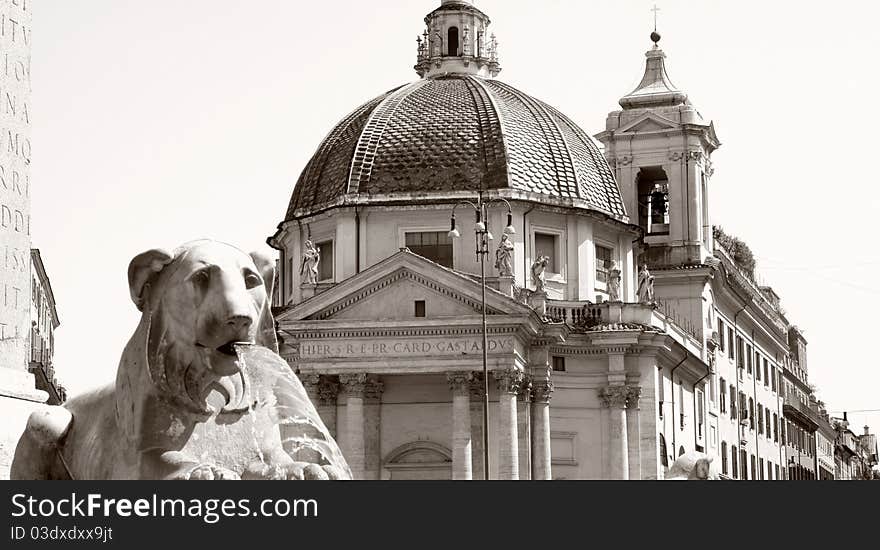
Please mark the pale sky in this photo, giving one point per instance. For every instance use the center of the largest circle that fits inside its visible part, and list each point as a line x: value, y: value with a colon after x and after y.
x: 157, y: 122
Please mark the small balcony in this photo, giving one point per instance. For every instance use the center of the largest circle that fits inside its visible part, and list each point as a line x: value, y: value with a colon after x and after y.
x: 794, y: 407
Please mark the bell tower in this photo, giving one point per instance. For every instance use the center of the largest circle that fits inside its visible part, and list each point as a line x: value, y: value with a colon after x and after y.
x: 457, y: 40
x: 660, y: 148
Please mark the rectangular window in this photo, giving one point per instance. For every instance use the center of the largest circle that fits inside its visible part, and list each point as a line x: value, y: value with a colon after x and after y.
x: 773, y: 380
x: 730, y: 348
x: 420, y: 308
x: 681, y: 406
x: 767, y: 420
x: 760, y: 420
x: 761, y: 471
x: 754, y: 468
x: 722, y: 397
x: 545, y: 245
x: 766, y: 373
x: 777, y: 471
x: 325, y: 264
x: 734, y: 460
x: 603, y: 266
x: 721, y: 335
x: 733, y: 405
x: 740, y: 362
x: 559, y: 364
x: 757, y: 367
x: 701, y: 412
x: 749, y: 359
x: 433, y: 245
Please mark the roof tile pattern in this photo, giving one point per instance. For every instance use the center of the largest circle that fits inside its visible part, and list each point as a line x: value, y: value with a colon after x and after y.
x: 597, y: 184
x: 456, y: 133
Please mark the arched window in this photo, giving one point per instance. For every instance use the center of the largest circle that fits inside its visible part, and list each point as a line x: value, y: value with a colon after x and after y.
x: 724, y: 457
x: 453, y: 42
x: 653, y: 188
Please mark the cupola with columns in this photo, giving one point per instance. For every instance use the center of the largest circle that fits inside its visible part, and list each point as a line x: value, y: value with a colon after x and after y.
x: 457, y: 40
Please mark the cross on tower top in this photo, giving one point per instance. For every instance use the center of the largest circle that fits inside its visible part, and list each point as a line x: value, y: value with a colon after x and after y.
x: 656, y: 10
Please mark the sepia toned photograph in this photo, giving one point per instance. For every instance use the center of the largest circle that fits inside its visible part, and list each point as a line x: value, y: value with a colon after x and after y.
x: 429, y: 240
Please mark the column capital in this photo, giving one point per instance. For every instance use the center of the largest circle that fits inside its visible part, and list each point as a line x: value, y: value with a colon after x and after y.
x: 354, y: 384
x: 542, y: 390
x: 373, y: 389
x: 460, y: 382
x: 476, y: 386
x: 509, y: 381
x: 614, y: 397
x: 634, y: 393
x: 526, y: 389
x: 322, y: 389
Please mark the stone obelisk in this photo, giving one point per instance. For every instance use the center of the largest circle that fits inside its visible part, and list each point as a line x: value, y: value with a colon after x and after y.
x: 18, y: 396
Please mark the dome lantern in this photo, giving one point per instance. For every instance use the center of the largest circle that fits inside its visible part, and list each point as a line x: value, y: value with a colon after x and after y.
x: 457, y: 40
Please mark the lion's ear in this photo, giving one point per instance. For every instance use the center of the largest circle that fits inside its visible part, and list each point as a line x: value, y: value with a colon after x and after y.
x: 266, y: 266
x: 143, y: 271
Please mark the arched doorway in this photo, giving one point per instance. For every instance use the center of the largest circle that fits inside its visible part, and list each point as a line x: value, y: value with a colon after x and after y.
x: 419, y: 460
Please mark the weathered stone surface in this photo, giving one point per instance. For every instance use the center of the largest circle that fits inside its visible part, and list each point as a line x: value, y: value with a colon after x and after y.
x: 200, y: 392
x: 15, y: 156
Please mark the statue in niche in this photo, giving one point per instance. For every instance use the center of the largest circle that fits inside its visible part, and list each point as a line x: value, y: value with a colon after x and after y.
x: 646, y: 286
x: 538, y: 269
x: 200, y: 392
x: 614, y: 283
x: 310, y: 260
x: 504, y: 257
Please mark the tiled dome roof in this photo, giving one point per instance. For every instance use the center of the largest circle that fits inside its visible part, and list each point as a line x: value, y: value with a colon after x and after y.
x: 456, y: 133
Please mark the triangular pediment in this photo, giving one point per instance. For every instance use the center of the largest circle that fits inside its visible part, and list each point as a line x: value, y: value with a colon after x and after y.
x: 389, y: 290
x: 649, y: 123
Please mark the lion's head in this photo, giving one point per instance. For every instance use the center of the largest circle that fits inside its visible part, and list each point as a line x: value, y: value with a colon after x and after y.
x: 198, y: 303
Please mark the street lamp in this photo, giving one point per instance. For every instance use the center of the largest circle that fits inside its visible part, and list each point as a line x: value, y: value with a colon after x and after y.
x: 482, y: 237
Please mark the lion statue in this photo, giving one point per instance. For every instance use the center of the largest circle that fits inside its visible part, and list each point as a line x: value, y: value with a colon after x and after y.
x: 693, y: 466
x: 200, y: 392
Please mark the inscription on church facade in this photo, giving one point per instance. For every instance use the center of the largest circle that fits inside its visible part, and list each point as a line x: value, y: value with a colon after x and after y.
x: 352, y: 349
x: 15, y: 159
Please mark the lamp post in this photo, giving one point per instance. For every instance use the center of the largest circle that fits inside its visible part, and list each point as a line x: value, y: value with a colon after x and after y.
x: 482, y: 237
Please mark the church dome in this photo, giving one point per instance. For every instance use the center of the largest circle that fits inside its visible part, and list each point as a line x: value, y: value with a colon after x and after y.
x: 456, y: 133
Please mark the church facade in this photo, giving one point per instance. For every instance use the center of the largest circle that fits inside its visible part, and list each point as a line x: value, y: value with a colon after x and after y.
x: 618, y: 333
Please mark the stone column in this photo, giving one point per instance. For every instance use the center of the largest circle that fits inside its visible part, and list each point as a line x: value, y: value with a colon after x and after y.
x: 509, y: 382
x: 542, y: 458
x: 614, y: 399
x: 524, y: 428
x: 476, y: 406
x: 352, y: 388
x: 372, y: 427
x: 462, y: 457
x: 633, y: 432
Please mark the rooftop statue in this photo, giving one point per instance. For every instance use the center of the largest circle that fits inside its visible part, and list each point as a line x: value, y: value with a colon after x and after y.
x: 614, y: 283
x: 200, y: 392
x: 646, y: 286
x: 538, y: 269
x: 310, y: 260
x: 504, y: 257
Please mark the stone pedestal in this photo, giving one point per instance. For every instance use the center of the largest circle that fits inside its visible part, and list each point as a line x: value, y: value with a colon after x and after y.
x: 462, y: 456
x: 506, y: 286
x: 308, y: 291
x: 538, y: 302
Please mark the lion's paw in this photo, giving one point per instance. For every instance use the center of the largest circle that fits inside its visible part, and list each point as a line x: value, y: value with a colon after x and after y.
x: 209, y: 472
x: 294, y: 471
